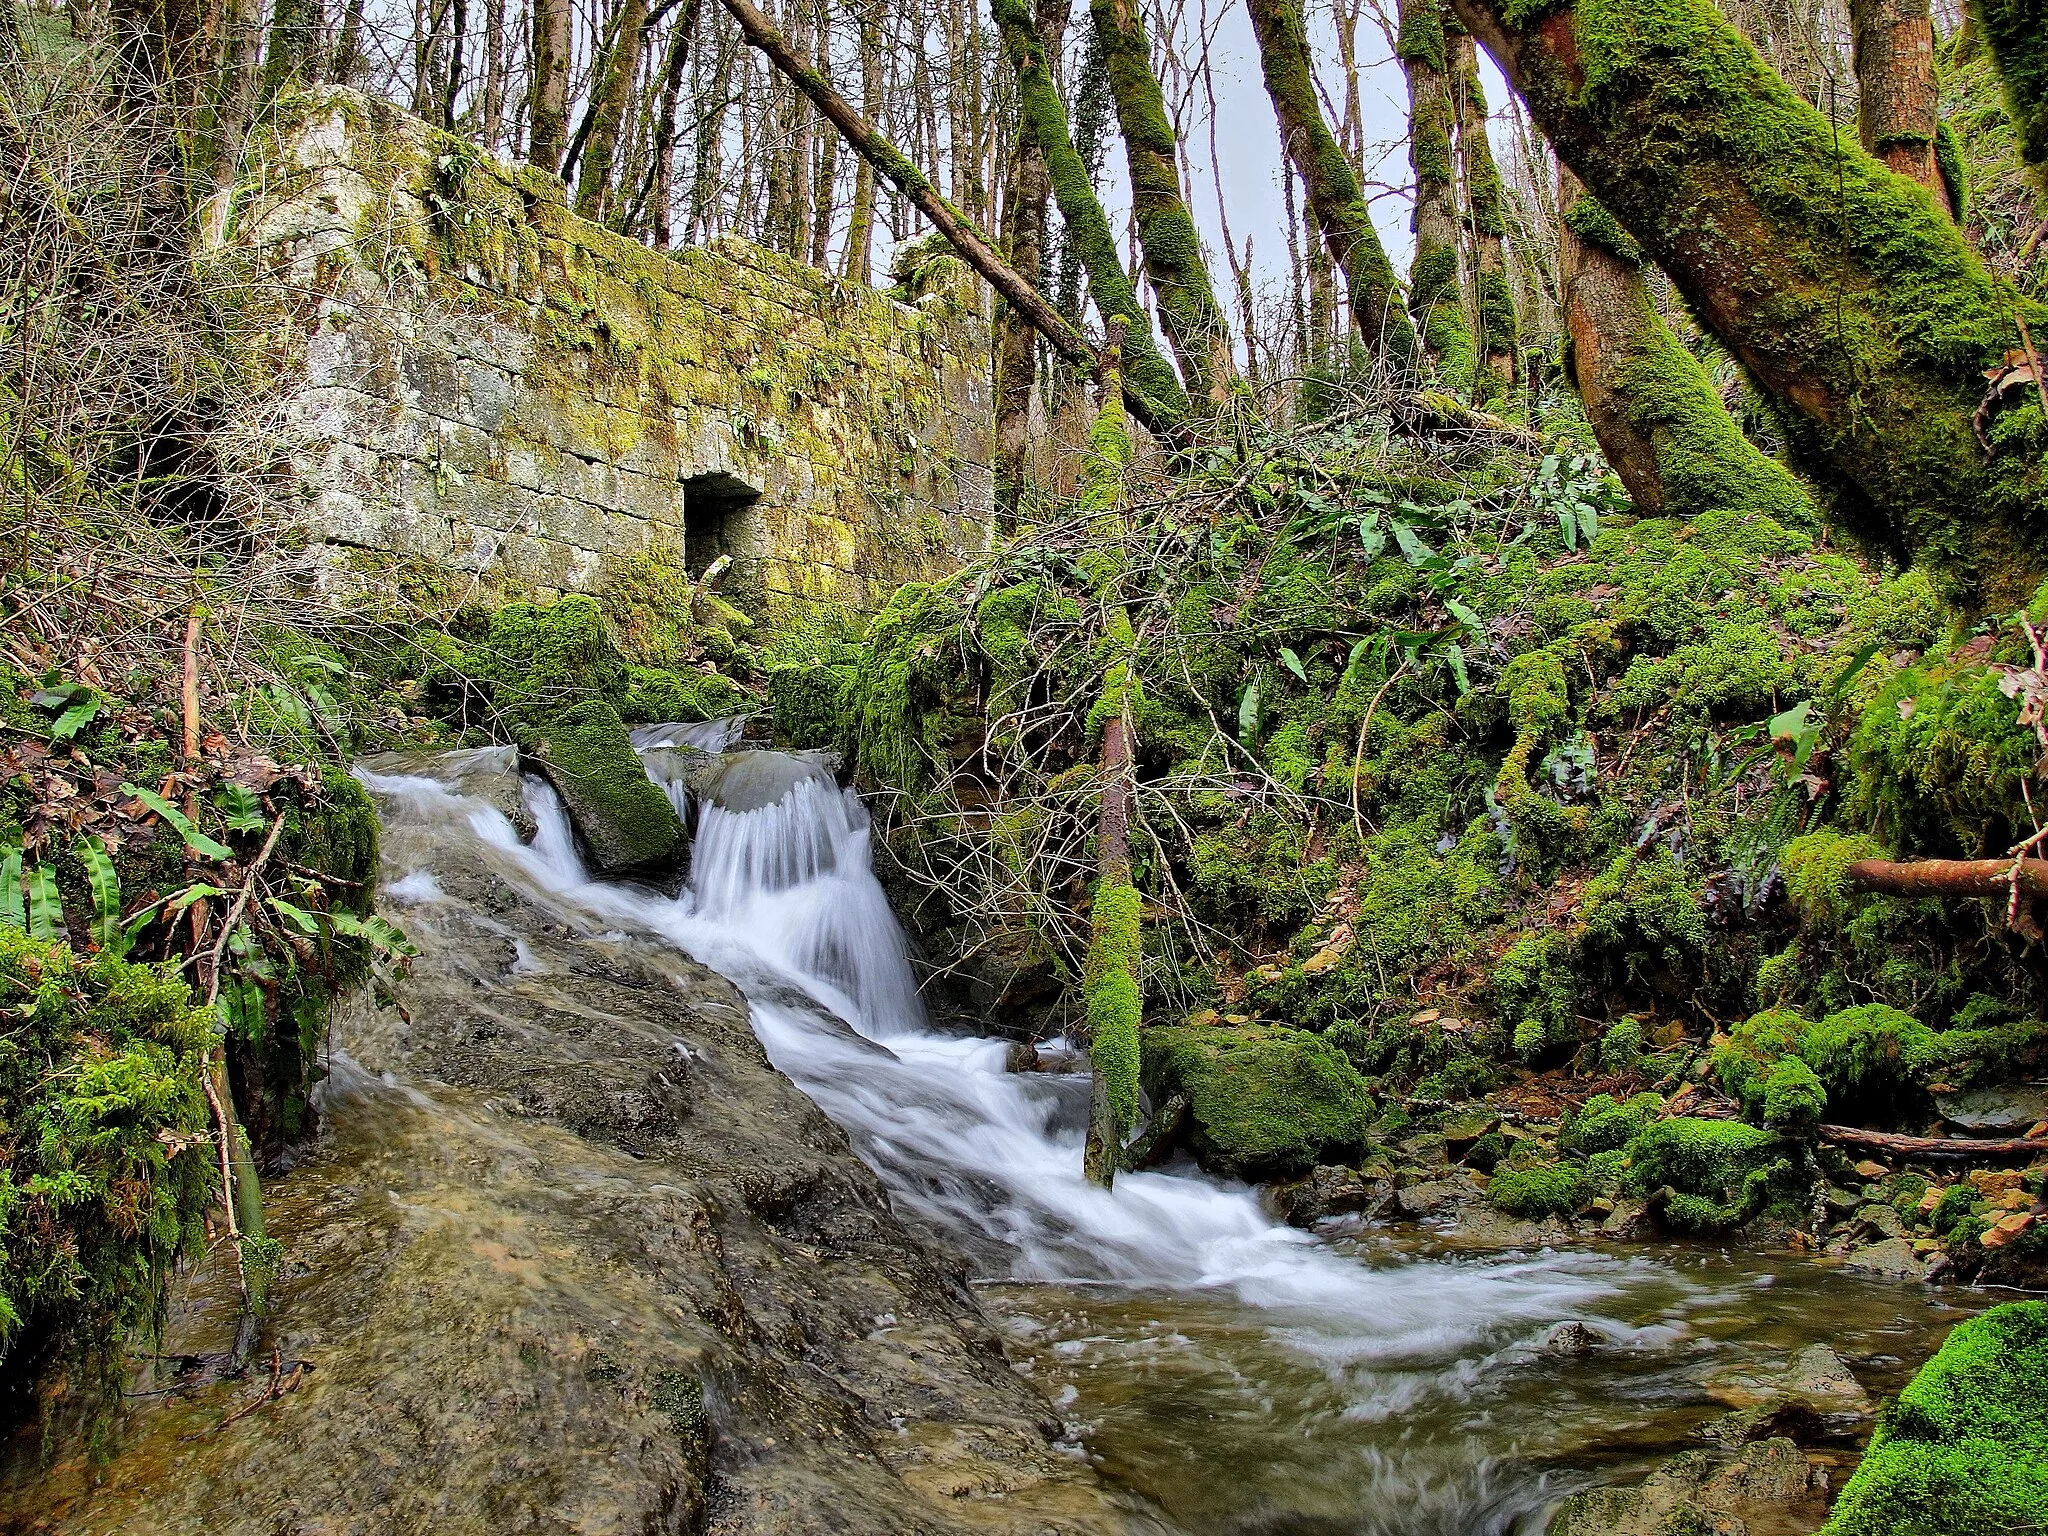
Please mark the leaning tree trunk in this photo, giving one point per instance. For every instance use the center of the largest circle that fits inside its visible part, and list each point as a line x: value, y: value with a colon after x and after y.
x: 2017, y: 33
x: 1841, y: 287
x: 1498, y: 341
x: 954, y: 226
x: 1435, y: 296
x: 241, y: 51
x: 1172, y: 247
x: 1651, y: 405
x: 1893, y: 45
x: 614, y: 94
x: 1145, y: 372
x: 1334, y: 194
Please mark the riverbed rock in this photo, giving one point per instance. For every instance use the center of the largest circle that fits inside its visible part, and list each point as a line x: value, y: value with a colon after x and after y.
x: 573, y: 1257
x: 1766, y: 1489
x: 1815, y: 1376
x: 1328, y: 1191
x: 627, y: 825
x: 1892, y: 1259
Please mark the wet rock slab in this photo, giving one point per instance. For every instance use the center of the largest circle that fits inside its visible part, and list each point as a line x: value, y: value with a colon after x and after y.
x: 573, y: 1257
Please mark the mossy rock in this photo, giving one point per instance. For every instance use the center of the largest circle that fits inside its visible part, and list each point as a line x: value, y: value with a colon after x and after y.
x: 1548, y: 1189
x: 1712, y: 1174
x: 1263, y: 1102
x: 626, y: 822
x: 1964, y: 1450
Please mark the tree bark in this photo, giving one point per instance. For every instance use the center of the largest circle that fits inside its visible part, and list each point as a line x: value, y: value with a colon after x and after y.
x: 858, y: 263
x: 1657, y: 415
x: 1145, y: 372
x: 1334, y: 194
x: 1435, y: 295
x: 1498, y: 336
x: 611, y: 95
x: 1024, y: 221
x: 915, y: 185
x: 1892, y: 43
x: 548, y: 92
x: 241, y: 51
x: 1844, y: 291
x: 1172, y: 247
x: 1949, y: 877
x: 1932, y: 1146
x: 662, y: 189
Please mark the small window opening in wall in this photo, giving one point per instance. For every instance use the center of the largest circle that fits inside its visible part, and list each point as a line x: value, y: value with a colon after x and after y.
x: 717, y: 518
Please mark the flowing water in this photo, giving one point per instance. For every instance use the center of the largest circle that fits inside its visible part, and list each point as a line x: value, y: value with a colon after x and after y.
x: 1247, y: 1376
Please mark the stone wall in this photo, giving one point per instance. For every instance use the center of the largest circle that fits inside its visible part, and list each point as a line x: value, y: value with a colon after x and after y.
x: 488, y: 391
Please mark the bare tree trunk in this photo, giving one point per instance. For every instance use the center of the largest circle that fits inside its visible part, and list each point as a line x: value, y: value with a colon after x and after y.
x: 662, y: 192
x: 824, y: 184
x: 548, y: 93
x: 348, y: 48
x: 1893, y: 46
x: 1843, y: 291
x: 1656, y: 413
x: 1195, y: 327
x: 859, y: 262
x: 1334, y: 194
x: 1436, y: 297
x: 1493, y: 296
x: 455, y: 52
x: 241, y: 49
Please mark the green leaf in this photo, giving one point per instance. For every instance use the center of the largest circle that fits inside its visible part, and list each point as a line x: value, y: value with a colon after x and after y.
x: 12, y: 913
x: 76, y: 718
x: 1455, y: 655
x: 1411, y: 546
x: 1589, y: 521
x: 382, y: 935
x: 1569, y: 526
x: 45, y: 905
x: 298, y: 917
x: 1856, y: 664
x: 104, y: 881
x: 1371, y: 537
x: 1293, y: 663
x: 1465, y: 616
x: 1250, y: 710
x: 1797, y: 726
x: 241, y: 809
x: 178, y: 901
x: 195, y: 839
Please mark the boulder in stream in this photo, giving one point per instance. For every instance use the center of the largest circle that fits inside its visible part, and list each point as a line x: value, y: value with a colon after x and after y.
x: 1263, y: 1102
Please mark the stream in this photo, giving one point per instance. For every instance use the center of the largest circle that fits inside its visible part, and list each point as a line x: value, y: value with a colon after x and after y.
x: 1244, y: 1375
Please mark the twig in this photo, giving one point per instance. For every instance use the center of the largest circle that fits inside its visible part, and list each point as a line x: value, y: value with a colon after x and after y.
x: 1358, y: 757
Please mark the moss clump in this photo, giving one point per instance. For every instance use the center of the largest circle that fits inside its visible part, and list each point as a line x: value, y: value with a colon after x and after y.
x: 1621, y: 1048
x: 1550, y: 1189
x: 1715, y: 1173
x: 1871, y: 1058
x: 1964, y: 1450
x: 1263, y: 1102
x: 657, y: 696
x: 103, y: 1177
x: 1744, y: 1059
x: 1605, y: 1123
x: 1815, y: 867
x: 1111, y: 999
x: 626, y: 822
x: 1793, y: 1098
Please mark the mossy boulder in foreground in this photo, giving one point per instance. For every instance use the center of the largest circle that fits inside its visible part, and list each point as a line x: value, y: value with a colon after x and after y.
x: 1964, y: 1450
x: 1263, y: 1102
x: 626, y: 822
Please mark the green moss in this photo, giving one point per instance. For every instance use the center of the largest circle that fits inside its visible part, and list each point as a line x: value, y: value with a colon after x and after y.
x: 1743, y: 1061
x: 1871, y: 1058
x: 1793, y: 1098
x: 1621, y: 1048
x: 1724, y: 1167
x: 1814, y: 868
x: 1550, y: 1189
x: 103, y: 1174
x: 625, y: 820
x: 1111, y: 998
x: 1263, y: 1102
x: 1606, y: 1124
x: 657, y: 696
x: 1964, y: 1450
x: 2012, y: 29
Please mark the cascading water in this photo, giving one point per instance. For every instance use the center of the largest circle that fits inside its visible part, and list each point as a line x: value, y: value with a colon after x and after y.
x: 1250, y: 1376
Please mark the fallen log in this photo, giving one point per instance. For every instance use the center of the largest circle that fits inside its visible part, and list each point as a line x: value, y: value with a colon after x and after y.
x: 1948, y: 877
x: 1933, y: 1146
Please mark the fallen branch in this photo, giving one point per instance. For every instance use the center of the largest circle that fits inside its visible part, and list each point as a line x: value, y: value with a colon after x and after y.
x: 1949, y: 877
x: 1933, y: 1146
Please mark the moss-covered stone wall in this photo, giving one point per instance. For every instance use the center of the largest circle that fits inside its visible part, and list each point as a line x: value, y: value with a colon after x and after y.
x: 488, y: 390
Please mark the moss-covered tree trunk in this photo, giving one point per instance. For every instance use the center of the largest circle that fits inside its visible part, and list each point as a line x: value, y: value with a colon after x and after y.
x: 1024, y: 220
x: 1194, y: 323
x: 1842, y: 288
x: 1145, y: 371
x: 2017, y: 34
x: 614, y: 94
x: 1334, y: 194
x: 1497, y: 333
x: 1436, y: 297
x: 1652, y: 406
x: 1892, y: 42
x: 1112, y: 996
x: 548, y: 89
